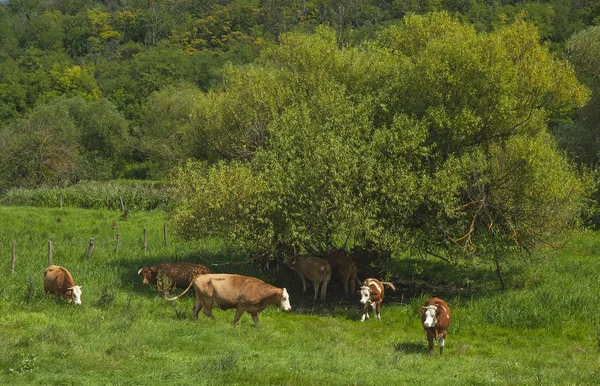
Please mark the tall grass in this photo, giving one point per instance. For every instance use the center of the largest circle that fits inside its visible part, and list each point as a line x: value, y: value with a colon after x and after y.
x: 543, y: 331
x: 95, y: 195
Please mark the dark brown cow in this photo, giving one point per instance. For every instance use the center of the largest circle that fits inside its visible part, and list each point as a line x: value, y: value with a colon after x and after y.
x: 244, y: 293
x: 435, y: 316
x: 344, y: 266
x: 168, y: 276
x: 371, y: 294
x: 58, y: 281
x: 312, y: 268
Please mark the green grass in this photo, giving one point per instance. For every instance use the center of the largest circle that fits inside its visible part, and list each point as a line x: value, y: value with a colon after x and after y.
x: 544, y: 330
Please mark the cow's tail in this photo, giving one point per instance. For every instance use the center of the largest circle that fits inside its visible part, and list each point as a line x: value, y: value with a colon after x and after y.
x: 389, y: 284
x: 181, y: 294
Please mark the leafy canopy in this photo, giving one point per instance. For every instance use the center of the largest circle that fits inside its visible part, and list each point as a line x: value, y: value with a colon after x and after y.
x: 431, y: 138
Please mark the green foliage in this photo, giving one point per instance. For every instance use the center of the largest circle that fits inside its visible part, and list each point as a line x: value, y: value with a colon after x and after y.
x: 433, y: 139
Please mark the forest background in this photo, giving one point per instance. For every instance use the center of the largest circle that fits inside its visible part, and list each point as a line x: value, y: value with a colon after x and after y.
x: 292, y: 126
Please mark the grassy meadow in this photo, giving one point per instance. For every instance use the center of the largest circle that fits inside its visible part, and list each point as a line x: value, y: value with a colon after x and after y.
x: 544, y: 330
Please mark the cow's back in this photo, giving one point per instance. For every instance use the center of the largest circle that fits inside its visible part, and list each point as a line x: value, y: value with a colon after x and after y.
x: 230, y: 290
x: 313, y: 267
x: 57, y: 280
x: 181, y: 273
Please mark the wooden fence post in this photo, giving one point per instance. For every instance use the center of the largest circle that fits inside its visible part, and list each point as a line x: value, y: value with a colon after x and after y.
x: 91, y: 247
x: 13, y: 257
x: 117, y: 245
x: 145, y: 245
x: 165, y: 231
x: 49, y: 253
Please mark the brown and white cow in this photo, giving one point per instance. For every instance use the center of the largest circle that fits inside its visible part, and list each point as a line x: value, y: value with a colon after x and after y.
x: 244, y: 293
x: 371, y: 294
x: 344, y: 266
x: 167, y: 276
x: 58, y: 281
x: 315, y: 269
x: 435, y: 316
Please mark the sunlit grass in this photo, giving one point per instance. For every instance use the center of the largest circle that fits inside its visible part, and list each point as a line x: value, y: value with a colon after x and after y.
x: 544, y: 331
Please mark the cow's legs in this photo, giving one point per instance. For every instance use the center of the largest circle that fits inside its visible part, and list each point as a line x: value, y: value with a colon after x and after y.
x: 441, y: 343
x: 430, y: 338
x: 365, y: 313
x: 197, y: 308
x: 316, y: 286
x: 238, y: 314
x: 378, y: 310
x: 345, y: 283
x: 303, y: 281
x: 254, y: 318
x: 324, y: 289
x: 208, y: 310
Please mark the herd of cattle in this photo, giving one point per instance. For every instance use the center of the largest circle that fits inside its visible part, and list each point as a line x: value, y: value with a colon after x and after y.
x: 252, y: 295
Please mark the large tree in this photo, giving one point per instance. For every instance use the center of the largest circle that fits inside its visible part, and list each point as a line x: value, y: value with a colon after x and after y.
x: 433, y: 138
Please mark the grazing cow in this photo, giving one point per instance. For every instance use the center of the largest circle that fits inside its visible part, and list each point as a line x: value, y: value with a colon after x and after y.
x: 168, y: 276
x: 59, y: 282
x: 371, y: 294
x: 345, y: 267
x: 435, y: 316
x: 244, y: 293
x: 312, y: 268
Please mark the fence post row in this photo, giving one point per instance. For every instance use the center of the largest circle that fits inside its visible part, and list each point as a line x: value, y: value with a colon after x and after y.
x: 91, y: 247
x: 13, y: 257
x: 49, y: 253
x: 165, y: 232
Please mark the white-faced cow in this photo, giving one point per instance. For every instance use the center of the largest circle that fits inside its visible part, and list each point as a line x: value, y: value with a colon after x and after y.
x: 315, y: 269
x: 371, y: 295
x: 244, y: 293
x: 435, y: 315
x: 167, y: 276
x: 344, y: 266
x: 58, y: 281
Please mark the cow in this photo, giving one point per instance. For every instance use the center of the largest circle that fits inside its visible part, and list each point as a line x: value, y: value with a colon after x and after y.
x: 435, y: 316
x: 58, y: 281
x: 168, y: 276
x: 345, y: 267
x: 227, y: 291
x: 312, y: 268
x: 371, y: 294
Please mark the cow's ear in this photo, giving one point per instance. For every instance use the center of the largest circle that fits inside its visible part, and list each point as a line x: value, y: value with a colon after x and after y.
x: 293, y: 261
x: 422, y: 309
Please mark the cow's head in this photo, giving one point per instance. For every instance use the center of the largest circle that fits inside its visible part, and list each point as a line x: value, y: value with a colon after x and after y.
x: 365, y: 294
x: 285, y: 301
x: 429, y: 317
x: 147, y: 273
x: 291, y: 262
x: 74, y: 294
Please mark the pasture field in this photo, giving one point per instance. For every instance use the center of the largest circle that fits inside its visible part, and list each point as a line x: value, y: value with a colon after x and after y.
x: 544, y: 330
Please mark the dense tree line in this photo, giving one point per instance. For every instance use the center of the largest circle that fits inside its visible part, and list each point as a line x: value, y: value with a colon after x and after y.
x: 301, y: 123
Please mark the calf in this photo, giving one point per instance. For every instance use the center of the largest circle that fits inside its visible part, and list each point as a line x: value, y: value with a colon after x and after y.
x: 435, y: 316
x: 58, y: 281
x: 167, y: 276
x: 244, y: 293
x: 312, y: 268
x: 371, y: 294
x: 345, y: 267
